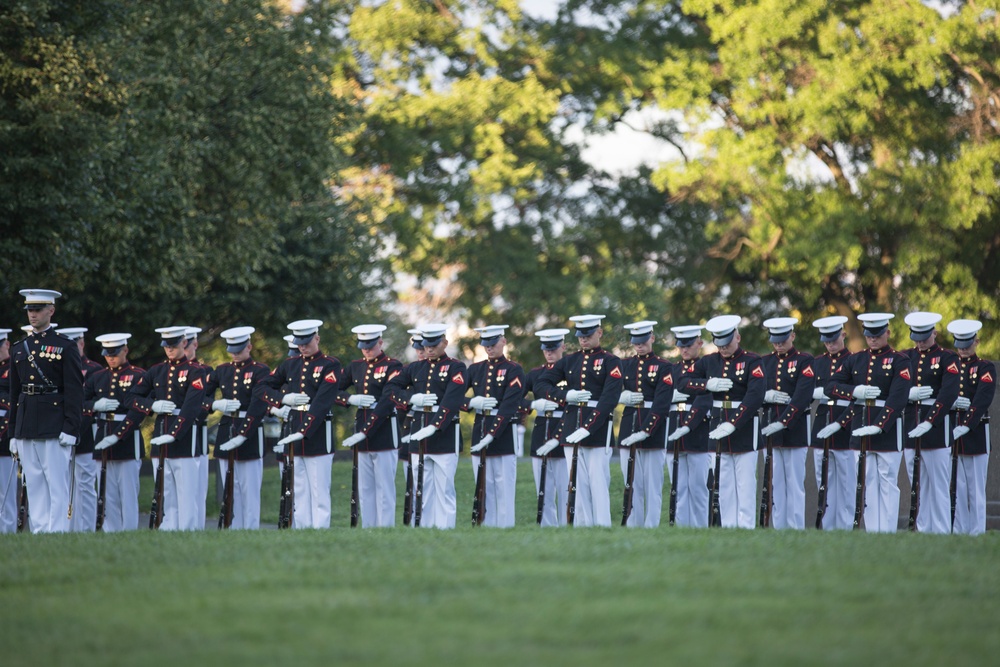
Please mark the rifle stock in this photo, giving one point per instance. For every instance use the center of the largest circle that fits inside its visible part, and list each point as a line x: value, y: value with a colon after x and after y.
x: 859, y: 499
x: 102, y: 491
x: 479, y: 501
x: 630, y: 474
x: 571, y: 494
x: 226, y: 511
x: 542, y: 473
x: 768, y: 481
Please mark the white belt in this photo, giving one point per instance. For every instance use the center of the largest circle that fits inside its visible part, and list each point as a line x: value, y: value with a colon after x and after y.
x: 647, y: 404
x: 556, y: 414
x: 876, y: 402
x: 590, y: 404
x: 679, y: 407
x: 241, y: 414
x: 928, y: 401
x: 432, y: 408
x: 113, y: 417
x: 3, y: 413
x: 728, y: 405
x: 175, y: 413
x: 842, y: 404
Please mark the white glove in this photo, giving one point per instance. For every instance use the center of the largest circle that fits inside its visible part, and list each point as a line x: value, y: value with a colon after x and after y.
x: 106, y: 405
x: 722, y: 430
x: 289, y: 439
x: 718, y: 384
x: 232, y: 443
x: 920, y: 430
x: 962, y: 403
x: 679, y: 397
x: 13, y: 446
x: 295, y: 400
x: 226, y: 406
x: 423, y: 400
x: 423, y: 433
x: 577, y: 396
x: 480, y: 403
x: 866, y: 430
x: 577, y: 435
x: 67, y: 440
x: 630, y: 398
x: 106, y: 442
x: 828, y: 430
x: 543, y: 405
x: 361, y: 400
x: 547, y: 447
x: 772, y: 428
x: 405, y: 439
x: 957, y: 433
x: 352, y: 440
x: 636, y: 437
x: 482, y: 444
x: 163, y: 407
x: 866, y: 392
x: 819, y: 394
x: 281, y: 413
x: 920, y: 393
x: 774, y: 396
x: 679, y: 433
x: 162, y: 440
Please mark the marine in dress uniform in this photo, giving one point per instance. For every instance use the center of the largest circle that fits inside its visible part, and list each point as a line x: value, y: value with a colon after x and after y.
x: 842, y: 460
x: 8, y: 466
x: 376, y: 426
x: 971, y: 416
x: 307, y: 386
x: 787, y: 403
x: 108, y: 393
x: 435, y: 387
x: 648, y: 390
x: 589, y: 383
x: 236, y: 381
x: 201, y: 428
x: 878, y: 381
x: 83, y: 482
x: 46, y: 398
x: 935, y: 375
x: 497, y: 385
x: 735, y: 379
x: 687, y: 432
x: 548, y: 414
x: 174, y: 391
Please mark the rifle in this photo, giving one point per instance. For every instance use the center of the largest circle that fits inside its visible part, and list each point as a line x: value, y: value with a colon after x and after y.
x: 915, y: 487
x: 418, y: 496
x: 355, y: 501
x: 22, y: 498
x: 156, y: 508
x: 571, y: 494
x: 287, y: 508
x: 824, y: 476
x: 479, y: 501
x: 768, y: 481
x: 408, y: 495
x: 72, y: 482
x: 859, y: 500
x: 713, y: 502
x: 542, y: 473
x: 953, y: 487
x: 226, y: 510
x: 102, y: 491
x: 675, y: 465
x: 630, y: 474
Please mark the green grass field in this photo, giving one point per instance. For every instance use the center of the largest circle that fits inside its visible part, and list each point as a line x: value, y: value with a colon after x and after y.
x: 497, y: 597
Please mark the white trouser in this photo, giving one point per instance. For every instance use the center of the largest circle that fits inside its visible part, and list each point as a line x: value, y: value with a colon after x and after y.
x: 738, y: 490
x: 86, y: 471
x: 202, y: 497
x: 882, y: 492
x: 8, y: 494
x: 45, y: 464
x: 121, y: 496
x: 970, y: 494
x: 377, y: 488
x: 841, y: 489
x: 247, y: 478
x: 181, y: 482
x: 692, y: 488
x: 934, y: 512
x: 312, y: 491
x: 501, y: 478
x: 788, y: 486
x: 556, y: 483
x: 817, y: 454
x: 647, y: 486
x: 593, y: 479
x: 438, y: 505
